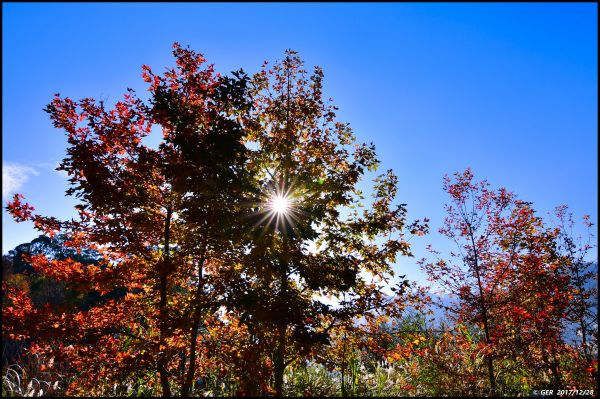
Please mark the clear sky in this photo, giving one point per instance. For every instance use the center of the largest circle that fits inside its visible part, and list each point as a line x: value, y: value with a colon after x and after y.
x: 510, y: 90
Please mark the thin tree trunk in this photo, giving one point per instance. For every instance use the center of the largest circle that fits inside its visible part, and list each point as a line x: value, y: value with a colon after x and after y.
x: 489, y: 360
x: 484, y: 316
x: 556, y: 373
x: 279, y: 362
x: 164, y: 270
x: 185, y: 390
x: 344, y: 367
x: 553, y: 366
x: 584, y: 345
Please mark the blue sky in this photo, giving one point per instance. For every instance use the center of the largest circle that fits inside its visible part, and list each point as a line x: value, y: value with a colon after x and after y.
x: 510, y: 90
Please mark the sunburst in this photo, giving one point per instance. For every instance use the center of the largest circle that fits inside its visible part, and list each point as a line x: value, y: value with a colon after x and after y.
x: 280, y: 207
x: 280, y: 204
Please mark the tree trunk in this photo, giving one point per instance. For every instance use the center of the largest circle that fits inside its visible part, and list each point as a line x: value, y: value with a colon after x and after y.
x: 279, y: 362
x: 187, y: 384
x: 557, y: 381
x: 484, y: 315
x: 344, y: 367
x: 490, y: 361
x: 164, y: 270
x: 185, y: 389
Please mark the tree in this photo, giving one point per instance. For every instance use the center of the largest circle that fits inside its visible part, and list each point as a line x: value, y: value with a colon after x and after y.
x: 246, y: 215
x: 313, y: 238
x: 163, y: 221
x: 507, y: 278
x: 583, y: 308
x: 42, y: 290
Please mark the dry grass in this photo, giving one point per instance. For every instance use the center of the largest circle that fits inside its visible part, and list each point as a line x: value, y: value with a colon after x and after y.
x: 33, y: 377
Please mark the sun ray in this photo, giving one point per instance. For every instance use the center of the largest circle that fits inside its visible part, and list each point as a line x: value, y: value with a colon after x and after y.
x: 279, y: 208
x: 280, y: 204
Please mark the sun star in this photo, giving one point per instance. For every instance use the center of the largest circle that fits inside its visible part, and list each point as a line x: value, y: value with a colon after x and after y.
x: 280, y: 204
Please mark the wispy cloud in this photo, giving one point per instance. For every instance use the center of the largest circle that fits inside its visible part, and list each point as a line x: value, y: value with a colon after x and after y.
x: 14, y: 176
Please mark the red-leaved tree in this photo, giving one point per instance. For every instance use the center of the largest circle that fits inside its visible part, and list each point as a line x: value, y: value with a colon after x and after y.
x: 506, y: 277
x: 163, y: 221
